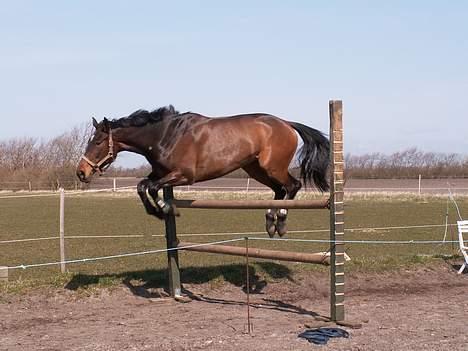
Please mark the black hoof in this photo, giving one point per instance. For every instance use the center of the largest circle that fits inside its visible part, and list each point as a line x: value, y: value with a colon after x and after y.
x: 270, y: 225
x: 281, y: 226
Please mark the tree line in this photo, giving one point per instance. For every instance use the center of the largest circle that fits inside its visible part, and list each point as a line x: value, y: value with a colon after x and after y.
x: 409, y: 163
x: 48, y: 162
x: 53, y: 162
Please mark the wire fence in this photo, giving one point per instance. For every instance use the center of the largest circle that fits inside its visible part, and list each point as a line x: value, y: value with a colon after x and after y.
x: 243, y: 235
x: 417, y: 186
x: 130, y: 254
x: 165, y: 250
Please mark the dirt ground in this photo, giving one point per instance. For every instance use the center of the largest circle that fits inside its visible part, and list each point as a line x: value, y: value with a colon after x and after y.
x: 423, y: 309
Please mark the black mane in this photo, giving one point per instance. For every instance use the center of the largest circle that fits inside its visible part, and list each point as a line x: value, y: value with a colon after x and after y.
x: 142, y: 117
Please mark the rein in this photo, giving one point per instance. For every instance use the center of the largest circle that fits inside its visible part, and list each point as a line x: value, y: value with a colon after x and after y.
x: 101, y: 165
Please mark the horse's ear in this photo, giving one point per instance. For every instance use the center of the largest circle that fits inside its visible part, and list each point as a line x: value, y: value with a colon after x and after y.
x: 106, y: 124
x: 95, y: 123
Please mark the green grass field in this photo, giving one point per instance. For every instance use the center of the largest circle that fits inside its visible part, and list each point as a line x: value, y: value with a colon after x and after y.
x: 99, y: 215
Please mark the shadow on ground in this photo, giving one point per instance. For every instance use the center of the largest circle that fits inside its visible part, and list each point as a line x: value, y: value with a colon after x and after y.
x: 153, y: 284
x: 146, y: 283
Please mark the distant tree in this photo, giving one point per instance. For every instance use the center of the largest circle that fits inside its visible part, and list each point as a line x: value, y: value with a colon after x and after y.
x: 408, y: 163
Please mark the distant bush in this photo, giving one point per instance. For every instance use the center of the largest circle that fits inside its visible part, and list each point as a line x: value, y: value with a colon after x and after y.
x: 50, y: 163
x: 408, y: 163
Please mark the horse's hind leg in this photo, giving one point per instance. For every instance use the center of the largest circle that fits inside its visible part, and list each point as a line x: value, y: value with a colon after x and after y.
x: 272, y: 214
x: 274, y: 164
x: 292, y: 187
x: 258, y: 173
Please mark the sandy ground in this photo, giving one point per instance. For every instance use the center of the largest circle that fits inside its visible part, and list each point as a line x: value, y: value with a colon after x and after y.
x: 424, y: 309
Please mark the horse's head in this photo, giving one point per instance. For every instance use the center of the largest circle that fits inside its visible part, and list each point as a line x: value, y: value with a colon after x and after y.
x: 99, y: 154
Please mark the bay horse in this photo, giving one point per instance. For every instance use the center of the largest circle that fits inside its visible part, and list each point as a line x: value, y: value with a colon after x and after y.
x: 185, y: 148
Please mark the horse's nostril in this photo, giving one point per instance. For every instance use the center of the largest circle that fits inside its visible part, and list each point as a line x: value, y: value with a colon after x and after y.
x: 80, y: 175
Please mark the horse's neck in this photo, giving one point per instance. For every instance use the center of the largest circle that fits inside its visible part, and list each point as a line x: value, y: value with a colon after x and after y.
x: 149, y: 140
x: 134, y: 139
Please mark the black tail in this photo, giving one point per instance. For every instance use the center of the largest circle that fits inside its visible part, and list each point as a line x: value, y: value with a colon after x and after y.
x: 314, y: 156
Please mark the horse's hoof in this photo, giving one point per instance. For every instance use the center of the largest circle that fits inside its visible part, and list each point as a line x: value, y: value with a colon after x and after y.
x: 270, y: 225
x: 281, y: 226
x: 271, y: 230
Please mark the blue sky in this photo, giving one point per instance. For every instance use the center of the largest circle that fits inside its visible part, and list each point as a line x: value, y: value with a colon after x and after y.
x: 400, y: 67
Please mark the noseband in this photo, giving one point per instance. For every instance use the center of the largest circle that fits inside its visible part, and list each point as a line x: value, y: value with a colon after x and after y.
x: 101, y: 165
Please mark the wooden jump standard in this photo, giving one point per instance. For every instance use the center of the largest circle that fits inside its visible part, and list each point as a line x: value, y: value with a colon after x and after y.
x: 334, y: 204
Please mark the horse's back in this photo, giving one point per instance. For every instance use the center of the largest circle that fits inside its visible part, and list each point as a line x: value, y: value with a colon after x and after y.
x: 257, y: 129
x: 220, y: 145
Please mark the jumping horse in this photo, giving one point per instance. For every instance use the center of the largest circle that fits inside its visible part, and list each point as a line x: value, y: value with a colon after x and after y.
x: 185, y: 148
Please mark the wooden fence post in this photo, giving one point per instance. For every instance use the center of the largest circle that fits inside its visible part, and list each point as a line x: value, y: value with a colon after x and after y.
x: 62, y: 230
x: 171, y: 242
x: 337, y: 259
x: 419, y: 185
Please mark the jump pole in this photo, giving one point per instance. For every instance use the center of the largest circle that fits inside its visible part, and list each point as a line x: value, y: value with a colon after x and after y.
x: 318, y: 258
x: 252, y: 204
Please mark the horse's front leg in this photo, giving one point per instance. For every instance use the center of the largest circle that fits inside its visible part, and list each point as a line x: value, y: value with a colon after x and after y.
x: 162, y: 205
x: 174, y: 178
x: 150, y: 209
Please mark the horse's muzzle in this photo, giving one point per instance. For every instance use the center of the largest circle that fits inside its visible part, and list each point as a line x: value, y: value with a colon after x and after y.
x: 82, y: 176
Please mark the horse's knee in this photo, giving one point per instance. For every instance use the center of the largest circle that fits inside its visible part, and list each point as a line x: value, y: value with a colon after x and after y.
x: 153, y: 187
x: 141, y: 187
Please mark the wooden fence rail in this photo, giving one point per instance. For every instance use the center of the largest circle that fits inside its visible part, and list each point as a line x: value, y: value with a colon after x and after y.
x: 318, y: 258
x: 252, y: 204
